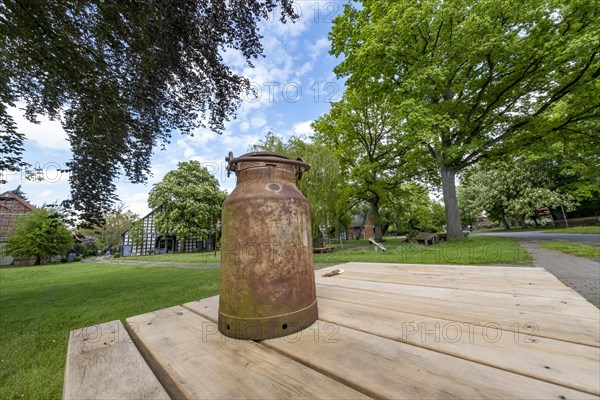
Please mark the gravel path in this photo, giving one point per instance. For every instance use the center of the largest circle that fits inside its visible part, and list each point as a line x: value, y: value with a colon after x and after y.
x: 580, y: 274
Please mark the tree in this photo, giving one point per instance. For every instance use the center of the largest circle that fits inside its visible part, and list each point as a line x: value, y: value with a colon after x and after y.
x: 19, y: 192
x: 322, y: 186
x: 40, y: 234
x: 509, y: 189
x: 472, y: 80
x: 411, y: 209
x: 136, y: 233
x: 187, y: 202
x: 122, y: 76
x: 363, y: 133
x: 88, y: 247
x: 113, y: 226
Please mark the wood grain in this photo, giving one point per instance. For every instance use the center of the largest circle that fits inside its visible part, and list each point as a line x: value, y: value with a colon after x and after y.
x: 194, y: 361
x: 104, y: 363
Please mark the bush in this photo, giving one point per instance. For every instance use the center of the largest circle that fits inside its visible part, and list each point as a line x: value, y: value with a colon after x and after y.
x: 117, y: 255
x: 75, y: 259
x: 64, y: 260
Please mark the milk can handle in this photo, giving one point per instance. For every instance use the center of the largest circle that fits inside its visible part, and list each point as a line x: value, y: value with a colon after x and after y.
x: 301, y: 166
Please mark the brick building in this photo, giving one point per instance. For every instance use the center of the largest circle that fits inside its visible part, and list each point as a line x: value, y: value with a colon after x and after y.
x: 11, y: 208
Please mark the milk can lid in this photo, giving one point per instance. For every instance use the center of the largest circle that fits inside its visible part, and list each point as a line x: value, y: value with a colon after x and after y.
x: 266, y: 156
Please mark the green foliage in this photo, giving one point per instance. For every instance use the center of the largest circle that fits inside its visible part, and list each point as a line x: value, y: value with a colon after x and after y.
x: 19, y: 192
x: 473, y: 80
x: 122, y: 76
x: 509, y: 189
x: 187, y: 202
x: 76, y: 259
x: 40, y: 233
x: 366, y: 137
x: 108, y: 233
x: 88, y: 247
x: 411, y: 209
x: 322, y: 185
x: 117, y: 255
x: 64, y: 260
x: 136, y: 233
x: 11, y: 141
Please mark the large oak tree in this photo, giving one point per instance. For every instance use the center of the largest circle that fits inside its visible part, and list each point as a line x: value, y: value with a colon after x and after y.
x: 122, y: 76
x: 472, y: 79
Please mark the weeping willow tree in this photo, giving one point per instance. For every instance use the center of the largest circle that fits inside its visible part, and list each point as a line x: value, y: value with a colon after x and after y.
x: 322, y: 185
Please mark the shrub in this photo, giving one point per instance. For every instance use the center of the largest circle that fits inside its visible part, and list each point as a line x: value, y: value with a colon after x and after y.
x: 75, y: 259
x: 117, y: 255
x: 64, y: 260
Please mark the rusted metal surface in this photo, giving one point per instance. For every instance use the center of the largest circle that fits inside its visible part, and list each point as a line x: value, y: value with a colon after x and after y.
x: 267, y: 271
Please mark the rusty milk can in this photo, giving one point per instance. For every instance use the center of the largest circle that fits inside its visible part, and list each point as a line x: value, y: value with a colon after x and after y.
x: 267, y: 272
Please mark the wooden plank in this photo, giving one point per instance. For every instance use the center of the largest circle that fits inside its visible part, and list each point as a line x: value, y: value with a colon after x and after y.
x: 386, y: 368
x: 392, y: 369
x: 567, y: 364
x: 539, y: 278
x: 103, y: 362
x: 566, y: 328
x: 483, y: 273
x: 523, y: 288
x: 194, y: 361
x: 443, y: 268
x: 207, y: 308
x: 579, y: 307
x: 572, y: 365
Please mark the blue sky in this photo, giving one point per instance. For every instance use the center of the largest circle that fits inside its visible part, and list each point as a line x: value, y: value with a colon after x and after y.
x: 294, y: 84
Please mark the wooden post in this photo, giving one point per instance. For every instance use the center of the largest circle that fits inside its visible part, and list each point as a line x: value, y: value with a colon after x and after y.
x: 217, y: 226
x: 564, y: 215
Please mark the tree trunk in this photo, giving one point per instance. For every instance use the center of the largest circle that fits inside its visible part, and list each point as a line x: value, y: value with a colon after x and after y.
x: 505, y: 222
x: 376, y: 219
x: 453, y: 223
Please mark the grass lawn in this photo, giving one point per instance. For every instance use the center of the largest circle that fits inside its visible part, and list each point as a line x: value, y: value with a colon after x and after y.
x: 475, y: 250
x: 578, y: 229
x: 548, y: 229
x: 39, y: 306
x: 576, y: 249
x: 191, y: 258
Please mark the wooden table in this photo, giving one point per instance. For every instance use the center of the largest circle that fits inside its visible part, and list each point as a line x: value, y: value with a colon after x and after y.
x: 384, y: 331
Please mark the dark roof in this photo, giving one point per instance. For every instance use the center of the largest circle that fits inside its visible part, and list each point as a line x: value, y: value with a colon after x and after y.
x: 10, y: 194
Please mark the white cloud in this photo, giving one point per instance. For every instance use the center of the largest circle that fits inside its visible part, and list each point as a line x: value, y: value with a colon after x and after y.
x: 258, y: 120
x: 303, y: 128
x: 137, y: 203
x: 188, y: 151
x: 47, y: 134
x: 318, y: 47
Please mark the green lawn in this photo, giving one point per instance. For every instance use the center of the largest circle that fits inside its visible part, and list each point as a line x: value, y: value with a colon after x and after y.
x: 478, y: 250
x: 39, y: 306
x: 576, y: 249
x: 475, y: 250
x: 192, y: 258
x: 549, y: 229
x: 578, y: 229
